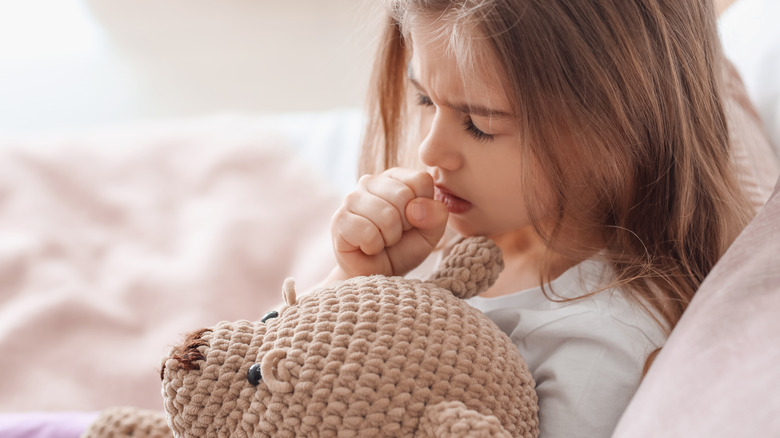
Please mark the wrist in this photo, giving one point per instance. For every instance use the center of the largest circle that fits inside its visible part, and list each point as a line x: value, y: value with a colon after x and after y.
x: 336, y: 274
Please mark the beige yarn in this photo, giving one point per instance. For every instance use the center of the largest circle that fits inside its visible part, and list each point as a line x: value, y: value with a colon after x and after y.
x: 470, y: 268
x: 129, y: 422
x: 371, y: 356
x: 455, y: 419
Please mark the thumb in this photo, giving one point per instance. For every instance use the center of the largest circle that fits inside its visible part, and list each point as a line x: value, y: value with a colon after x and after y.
x: 429, y: 217
x: 429, y: 220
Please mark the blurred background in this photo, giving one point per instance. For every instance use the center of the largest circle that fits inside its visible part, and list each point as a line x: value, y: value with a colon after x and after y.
x: 78, y: 63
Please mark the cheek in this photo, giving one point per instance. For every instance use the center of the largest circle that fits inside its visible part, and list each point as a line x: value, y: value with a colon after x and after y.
x: 509, y: 204
x: 507, y: 189
x: 502, y: 191
x: 541, y: 197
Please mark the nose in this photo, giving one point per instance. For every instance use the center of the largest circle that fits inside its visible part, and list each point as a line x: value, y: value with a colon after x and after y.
x: 439, y: 148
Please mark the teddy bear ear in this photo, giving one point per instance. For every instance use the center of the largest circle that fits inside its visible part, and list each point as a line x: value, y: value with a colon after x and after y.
x: 288, y: 291
x: 471, y: 267
x: 454, y: 419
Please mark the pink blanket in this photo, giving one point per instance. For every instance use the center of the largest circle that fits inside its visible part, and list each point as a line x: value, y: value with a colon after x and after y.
x: 116, y: 242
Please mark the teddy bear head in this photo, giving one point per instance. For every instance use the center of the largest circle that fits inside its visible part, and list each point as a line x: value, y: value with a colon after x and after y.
x: 373, y: 356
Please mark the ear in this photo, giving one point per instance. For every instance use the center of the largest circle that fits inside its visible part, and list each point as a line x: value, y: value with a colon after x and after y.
x: 288, y: 291
x: 454, y: 419
x: 471, y: 267
x: 274, y: 373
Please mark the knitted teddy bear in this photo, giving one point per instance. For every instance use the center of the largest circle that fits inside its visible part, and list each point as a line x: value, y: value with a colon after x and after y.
x: 370, y: 356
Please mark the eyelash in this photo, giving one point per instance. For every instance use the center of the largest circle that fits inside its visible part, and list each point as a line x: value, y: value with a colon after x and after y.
x: 476, y: 132
x: 468, y: 125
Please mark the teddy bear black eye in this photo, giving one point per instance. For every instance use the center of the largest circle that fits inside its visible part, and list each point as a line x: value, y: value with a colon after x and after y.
x: 253, y: 375
x: 269, y: 315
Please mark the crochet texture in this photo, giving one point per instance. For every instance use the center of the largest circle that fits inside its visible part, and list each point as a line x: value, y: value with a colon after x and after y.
x: 371, y: 356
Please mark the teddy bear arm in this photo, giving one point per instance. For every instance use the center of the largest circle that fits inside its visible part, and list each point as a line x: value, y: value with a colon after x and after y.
x: 454, y: 419
x: 128, y: 422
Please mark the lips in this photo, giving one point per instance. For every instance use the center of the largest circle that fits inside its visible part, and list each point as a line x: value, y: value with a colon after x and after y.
x: 455, y: 204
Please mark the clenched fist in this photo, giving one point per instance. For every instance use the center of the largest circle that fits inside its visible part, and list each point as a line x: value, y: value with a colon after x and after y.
x: 388, y: 225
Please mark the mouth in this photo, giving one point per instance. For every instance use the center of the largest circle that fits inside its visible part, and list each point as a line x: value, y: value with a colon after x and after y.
x: 454, y: 203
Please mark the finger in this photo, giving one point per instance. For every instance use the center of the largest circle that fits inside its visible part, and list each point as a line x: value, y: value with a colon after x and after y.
x: 394, y: 191
x: 420, y: 182
x: 356, y: 263
x: 352, y: 232
x: 384, y: 215
x: 429, y: 217
x: 417, y: 243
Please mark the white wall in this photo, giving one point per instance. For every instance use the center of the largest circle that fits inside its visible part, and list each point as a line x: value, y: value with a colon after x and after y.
x: 84, y: 62
x: 750, y: 30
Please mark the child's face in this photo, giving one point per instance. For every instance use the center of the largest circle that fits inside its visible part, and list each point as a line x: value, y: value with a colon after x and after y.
x: 471, y: 144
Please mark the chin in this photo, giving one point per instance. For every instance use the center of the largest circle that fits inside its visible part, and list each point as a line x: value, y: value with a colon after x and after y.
x: 493, y: 231
x: 467, y: 229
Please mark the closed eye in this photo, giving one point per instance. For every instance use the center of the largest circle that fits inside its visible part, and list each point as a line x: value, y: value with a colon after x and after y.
x: 475, y: 132
x: 468, y: 125
x: 424, y: 100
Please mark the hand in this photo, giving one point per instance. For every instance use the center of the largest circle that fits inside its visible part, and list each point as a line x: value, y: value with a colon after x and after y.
x: 389, y: 224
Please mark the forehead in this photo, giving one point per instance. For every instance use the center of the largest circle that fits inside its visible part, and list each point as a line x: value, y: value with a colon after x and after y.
x: 453, y: 56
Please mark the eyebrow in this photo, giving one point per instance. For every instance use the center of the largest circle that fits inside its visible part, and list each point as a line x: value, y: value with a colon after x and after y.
x: 474, y: 110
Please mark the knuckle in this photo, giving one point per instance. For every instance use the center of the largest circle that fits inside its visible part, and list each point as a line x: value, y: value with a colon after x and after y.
x: 396, y: 173
x: 352, y: 198
x: 339, y: 234
x: 405, y: 194
x: 423, y: 178
x: 388, y: 217
x: 372, y: 240
x: 422, y: 181
x: 372, y: 234
x: 338, y: 217
x: 365, y: 179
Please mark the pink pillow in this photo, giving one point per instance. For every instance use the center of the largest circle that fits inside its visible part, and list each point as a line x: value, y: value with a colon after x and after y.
x: 754, y: 158
x: 718, y: 372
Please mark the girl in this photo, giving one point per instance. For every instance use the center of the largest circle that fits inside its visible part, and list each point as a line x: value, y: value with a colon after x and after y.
x: 588, y: 139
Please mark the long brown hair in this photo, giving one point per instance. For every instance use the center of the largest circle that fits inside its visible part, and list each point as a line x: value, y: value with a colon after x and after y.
x: 618, y: 103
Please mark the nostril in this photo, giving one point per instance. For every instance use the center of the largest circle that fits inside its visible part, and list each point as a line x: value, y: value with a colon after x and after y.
x: 254, y: 376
